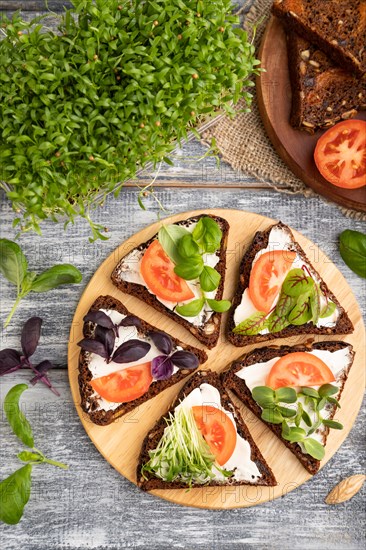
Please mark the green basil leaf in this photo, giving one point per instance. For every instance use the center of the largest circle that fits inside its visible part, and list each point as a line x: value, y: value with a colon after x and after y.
x: 276, y: 322
x: 328, y: 310
x: 14, y: 495
x: 57, y: 275
x: 297, y: 282
x: 284, y: 305
x: 301, y: 313
x: 169, y: 236
x: 272, y: 415
x: 220, y: 306
x: 327, y: 389
x: 190, y: 269
x: 264, y: 396
x: 209, y: 279
x: 333, y: 424
x: 207, y: 234
x: 287, y: 412
x: 187, y: 247
x: 13, y: 263
x: 352, y: 246
x: 295, y: 435
x: 28, y: 456
x: 314, y: 448
x: 286, y: 395
x: 16, y: 418
x: 252, y: 325
x: 191, y: 309
x: 310, y: 392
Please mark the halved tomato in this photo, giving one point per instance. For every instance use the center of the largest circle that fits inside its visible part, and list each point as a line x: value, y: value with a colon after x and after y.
x: 157, y: 270
x: 267, y: 276
x: 218, y: 430
x: 299, y: 369
x: 340, y: 154
x: 124, y: 385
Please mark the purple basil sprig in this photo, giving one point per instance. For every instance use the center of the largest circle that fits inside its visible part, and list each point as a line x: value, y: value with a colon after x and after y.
x: 11, y: 360
x: 101, y: 319
x: 162, y: 366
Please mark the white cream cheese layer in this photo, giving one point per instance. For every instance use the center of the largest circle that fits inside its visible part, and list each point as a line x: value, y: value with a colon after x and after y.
x: 130, y: 272
x: 338, y: 361
x: 240, y: 462
x: 280, y: 239
x: 99, y: 366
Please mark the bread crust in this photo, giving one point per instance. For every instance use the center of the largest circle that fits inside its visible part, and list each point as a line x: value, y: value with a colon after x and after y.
x: 152, y: 439
x: 262, y: 355
x: 260, y: 241
x: 89, y: 403
x: 209, y: 333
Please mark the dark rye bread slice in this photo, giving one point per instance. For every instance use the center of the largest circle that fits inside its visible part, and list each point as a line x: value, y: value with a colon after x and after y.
x: 262, y: 355
x: 150, y: 482
x: 338, y: 27
x: 89, y: 402
x: 322, y: 92
x: 209, y: 332
x: 260, y: 241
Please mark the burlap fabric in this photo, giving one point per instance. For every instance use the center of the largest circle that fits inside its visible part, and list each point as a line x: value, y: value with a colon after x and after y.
x: 243, y: 142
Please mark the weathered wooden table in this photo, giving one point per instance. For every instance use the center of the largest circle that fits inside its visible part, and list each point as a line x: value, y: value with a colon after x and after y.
x: 91, y: 506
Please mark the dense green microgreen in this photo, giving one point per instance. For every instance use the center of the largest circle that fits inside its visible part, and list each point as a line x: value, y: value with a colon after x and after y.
x: 15, y: 489
x: 298, y: 423
x: 14, y: 267
x: 188, y: 250
x: 116, y: 87
x: 301, y: 301
x: 352, y: 246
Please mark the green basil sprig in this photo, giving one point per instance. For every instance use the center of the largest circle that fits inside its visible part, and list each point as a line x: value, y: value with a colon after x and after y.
x: 187, y: 250
x: 15, y: 490
x: 352, y: 246
x: 271, y: 402
x: 14, y: 267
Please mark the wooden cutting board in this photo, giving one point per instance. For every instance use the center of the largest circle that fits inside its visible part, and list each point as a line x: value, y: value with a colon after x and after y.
x: 120, y: 442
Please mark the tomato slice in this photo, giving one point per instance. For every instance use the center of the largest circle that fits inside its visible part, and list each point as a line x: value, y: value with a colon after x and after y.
x: 124, y: 385
x: 267, y: 276
x: 299, y: 369
x: 340, y: 154
x: 157, y: 270
x: 218, y: 430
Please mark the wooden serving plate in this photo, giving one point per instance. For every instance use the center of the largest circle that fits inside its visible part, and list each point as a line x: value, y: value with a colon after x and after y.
x: 295, y: 147
x: 120, y: 441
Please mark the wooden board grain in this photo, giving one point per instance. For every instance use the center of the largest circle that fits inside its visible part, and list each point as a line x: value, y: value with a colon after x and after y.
x: 295, y: 147
x: 120, y: 442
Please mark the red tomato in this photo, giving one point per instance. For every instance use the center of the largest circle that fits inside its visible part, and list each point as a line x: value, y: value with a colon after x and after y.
x: 267, y: 276
x: 299, y: 369
x: 124, y: 385
x: 157, y: 270
x: 340, y: 154
x: 218, y: 431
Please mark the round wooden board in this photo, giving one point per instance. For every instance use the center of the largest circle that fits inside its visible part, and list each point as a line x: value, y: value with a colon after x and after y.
x: 295, y: 147
x: 120, y: 441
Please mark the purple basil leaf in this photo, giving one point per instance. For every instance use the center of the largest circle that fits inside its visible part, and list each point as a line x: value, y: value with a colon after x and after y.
x: 130, y: 321
x: 162, y: 367
x: 44, y: 366
x: 30, y: 335
x: 9, y: 360
x: 162, y: 341
x: 99, y: 318
x: 107, y: 337
x: 130, y: 351
x: 185, y: 360
x: 93, y: 346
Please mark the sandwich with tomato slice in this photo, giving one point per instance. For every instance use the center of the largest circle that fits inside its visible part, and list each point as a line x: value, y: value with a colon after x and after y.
x: 180, y: 272
x: 201, y: 441
x: 125, y: 361
x: 296, y: 391
x: 280, y: 294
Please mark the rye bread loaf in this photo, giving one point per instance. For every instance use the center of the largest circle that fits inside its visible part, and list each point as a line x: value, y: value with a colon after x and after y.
x: 89, y: 401
x: 260, y: 241
x: 207, y: 333
x: 322, y: 92
x: 262, y: 355
x: 150, y: 482
x: 337, y: 27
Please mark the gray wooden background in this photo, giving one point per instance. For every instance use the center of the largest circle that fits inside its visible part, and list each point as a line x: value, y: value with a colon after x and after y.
x: 91, y: 506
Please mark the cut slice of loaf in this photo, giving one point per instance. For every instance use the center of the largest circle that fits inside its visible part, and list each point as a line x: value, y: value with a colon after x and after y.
x: 148, y: 481
x: 322, y: 92
x: 89, y: 400
x: 343, y: 324
x: 338, y: 27
x: 206, y: 332
x: 232, y: 382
